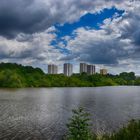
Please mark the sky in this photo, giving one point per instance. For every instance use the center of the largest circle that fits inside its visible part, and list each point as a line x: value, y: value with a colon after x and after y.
x: 105, y: 33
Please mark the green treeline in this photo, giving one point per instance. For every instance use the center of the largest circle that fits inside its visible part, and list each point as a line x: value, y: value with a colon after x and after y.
x: 79, y: 128
x: 16, y: 76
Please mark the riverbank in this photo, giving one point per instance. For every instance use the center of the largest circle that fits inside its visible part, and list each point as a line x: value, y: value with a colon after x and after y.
x: 18, y: 76
x: 79, y: 129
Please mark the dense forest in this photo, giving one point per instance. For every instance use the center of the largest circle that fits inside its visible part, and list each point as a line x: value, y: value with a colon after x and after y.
x: 16, y: 76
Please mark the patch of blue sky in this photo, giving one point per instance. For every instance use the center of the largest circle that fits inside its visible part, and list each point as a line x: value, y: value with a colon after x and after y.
x: 89, y: 20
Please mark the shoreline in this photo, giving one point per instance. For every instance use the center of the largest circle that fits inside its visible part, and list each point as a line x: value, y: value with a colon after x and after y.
x: 66, y: 87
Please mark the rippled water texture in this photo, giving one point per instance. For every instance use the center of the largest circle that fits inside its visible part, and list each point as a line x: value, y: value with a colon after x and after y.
x: 41, y: 113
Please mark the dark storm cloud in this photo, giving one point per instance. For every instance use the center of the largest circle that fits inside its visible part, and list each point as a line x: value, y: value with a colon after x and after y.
x: 101, y: 51
x: 130, y: 29
x: 100, y: 55
x: 20, y: 16
x: 136, y: 37
x: 24, y: 38
x: 30, y: 16
x: 23, y: 34
x: 116, y: 42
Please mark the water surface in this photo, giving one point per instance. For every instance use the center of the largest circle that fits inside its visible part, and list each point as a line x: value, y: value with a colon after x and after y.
x: 41, y: 113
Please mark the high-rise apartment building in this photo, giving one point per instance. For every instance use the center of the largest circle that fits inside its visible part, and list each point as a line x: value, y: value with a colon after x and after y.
x: 68, y: 69
x: 103, y: 71
x: 90, y: 69
x: 52, y: 69
x: 83, y: 67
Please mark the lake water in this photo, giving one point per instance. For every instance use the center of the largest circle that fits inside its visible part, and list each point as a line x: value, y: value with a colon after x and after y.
x: 42, y: 113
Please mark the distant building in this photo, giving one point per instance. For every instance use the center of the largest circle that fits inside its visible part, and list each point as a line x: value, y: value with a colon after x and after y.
x: 90, y: 69
x: 68, y: 69
x: 52, y: 69
x: 83, y: 67
x: 103, y: 71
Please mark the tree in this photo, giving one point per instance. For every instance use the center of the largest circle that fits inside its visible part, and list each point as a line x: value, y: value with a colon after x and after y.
x: 79, y: 127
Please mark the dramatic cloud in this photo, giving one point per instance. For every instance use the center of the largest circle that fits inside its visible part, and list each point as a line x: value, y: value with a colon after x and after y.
x: 32, y: 50
x: 30, y: 16
x: 27, y: 30
x: 116, y: 42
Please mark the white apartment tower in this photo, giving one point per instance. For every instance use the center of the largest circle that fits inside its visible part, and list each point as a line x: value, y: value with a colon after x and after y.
x: 68, y: 69
x: 83, y: 67
x: 90, y: 69
x: 52, y: 69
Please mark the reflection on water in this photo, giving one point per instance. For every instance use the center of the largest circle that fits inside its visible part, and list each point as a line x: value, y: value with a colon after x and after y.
x: 38, y: 114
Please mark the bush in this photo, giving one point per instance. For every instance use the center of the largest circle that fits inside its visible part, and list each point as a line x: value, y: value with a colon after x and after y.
x: 79, y: 127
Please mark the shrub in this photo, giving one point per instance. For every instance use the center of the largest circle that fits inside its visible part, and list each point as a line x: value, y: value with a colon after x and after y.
x: 79, y: 127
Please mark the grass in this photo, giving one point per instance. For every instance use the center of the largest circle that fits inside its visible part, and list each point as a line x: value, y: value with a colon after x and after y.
x: 79, y: 129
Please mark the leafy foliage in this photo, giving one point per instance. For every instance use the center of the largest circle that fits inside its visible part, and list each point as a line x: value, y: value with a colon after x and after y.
x: 79, y: 127
x: 16, y: 76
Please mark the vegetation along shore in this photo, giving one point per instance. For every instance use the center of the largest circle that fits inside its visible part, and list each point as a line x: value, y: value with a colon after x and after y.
x: 79, y: 129
x: 18, y: 76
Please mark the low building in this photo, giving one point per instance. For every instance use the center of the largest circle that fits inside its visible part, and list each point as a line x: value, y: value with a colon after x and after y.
x: 103, y: 71
x: 52, y: 69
